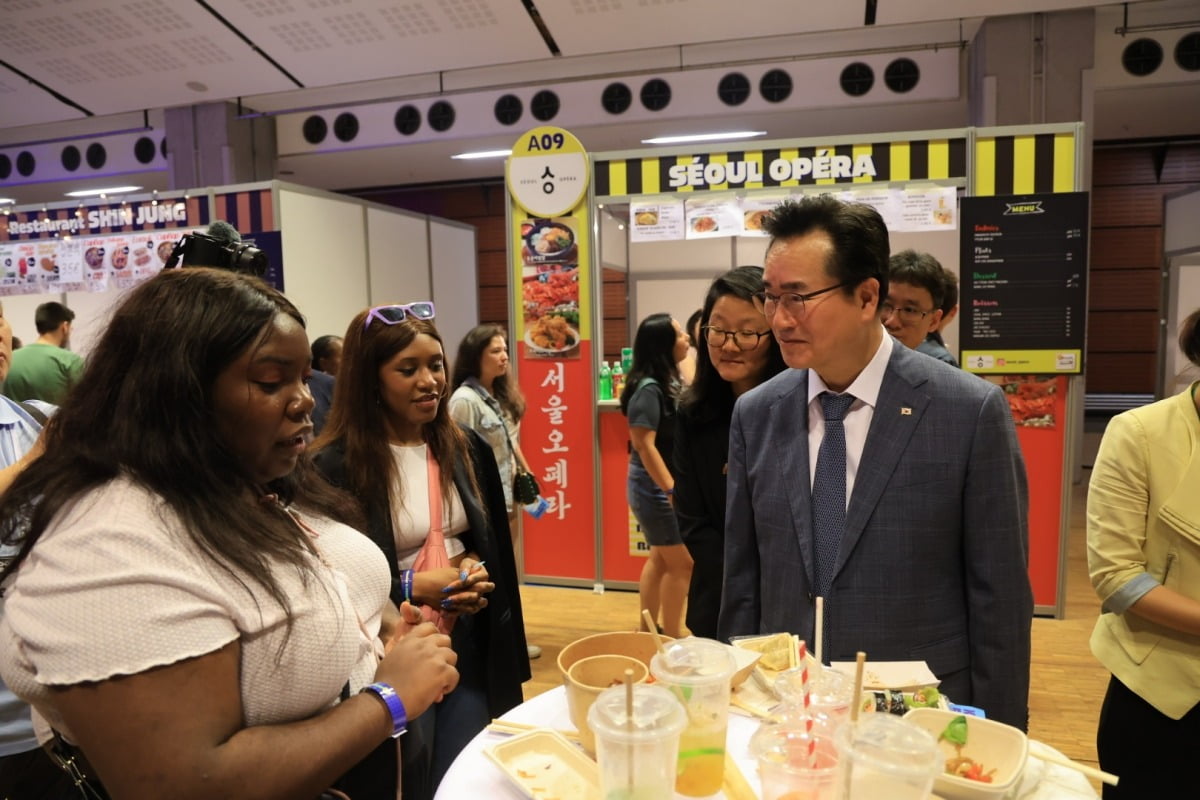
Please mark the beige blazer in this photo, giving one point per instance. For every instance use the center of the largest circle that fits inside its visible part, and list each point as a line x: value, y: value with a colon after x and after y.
x: 1143, y: 517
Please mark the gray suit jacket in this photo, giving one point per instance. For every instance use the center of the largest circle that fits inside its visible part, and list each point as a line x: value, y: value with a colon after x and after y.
x: 933, y: 562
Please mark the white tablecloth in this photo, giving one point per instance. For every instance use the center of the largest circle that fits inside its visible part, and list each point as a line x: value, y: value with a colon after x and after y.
x: 474, y: 775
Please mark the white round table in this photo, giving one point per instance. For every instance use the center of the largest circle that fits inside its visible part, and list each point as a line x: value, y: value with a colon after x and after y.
x: 474, y: 775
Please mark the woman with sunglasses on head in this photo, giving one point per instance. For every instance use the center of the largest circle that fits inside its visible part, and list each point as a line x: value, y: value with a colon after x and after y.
x: 648, y: 401
x: 737, y: 352
x: 188, y: 608
x: 435, y: 506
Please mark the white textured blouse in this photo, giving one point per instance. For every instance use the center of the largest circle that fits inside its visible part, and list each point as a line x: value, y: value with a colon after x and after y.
x: 114, y: 587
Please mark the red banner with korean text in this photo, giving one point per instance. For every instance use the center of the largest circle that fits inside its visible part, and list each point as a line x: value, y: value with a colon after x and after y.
x: 551, y: 275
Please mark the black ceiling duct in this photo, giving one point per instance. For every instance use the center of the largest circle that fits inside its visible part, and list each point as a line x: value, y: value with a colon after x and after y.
x: 441, y: 116
x: 902, y: 75
x: 315, y: 129
x: 1187, y: 52
x: 71, y: 159
x: 775, y: 86
x: 345, y: 127
x: 616, y: 98
x: 734, y: 89
x: 407, y: 120
x: 508, y: 109
x: 26, y: 163
x: 656, y: 94
x: 5, y: 167
x: 143, y: 150
x: 544, y: 105
x: 1141, y: 57
x: 857, y: 79
x: 96, y: 155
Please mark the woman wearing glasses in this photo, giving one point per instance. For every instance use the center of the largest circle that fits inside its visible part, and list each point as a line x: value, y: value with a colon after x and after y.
x: 737, y: 353
x: 648, y: 401
x: 435, y: 506
x: 188, y: 606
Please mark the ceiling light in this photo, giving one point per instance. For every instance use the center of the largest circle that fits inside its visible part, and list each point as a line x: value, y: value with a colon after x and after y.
x: 484, y: 154
x: 110, y: 190
x: 7, y: 201
x: 704, y: 137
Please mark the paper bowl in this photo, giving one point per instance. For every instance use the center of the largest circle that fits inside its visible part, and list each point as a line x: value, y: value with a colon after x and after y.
x: 587, y: 678
x: 635, y: 644
x: 993, y: 744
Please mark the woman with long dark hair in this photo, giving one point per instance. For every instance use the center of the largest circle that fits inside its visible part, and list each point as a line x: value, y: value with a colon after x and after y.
x: 435, y: 507
x: 737, y: 352
x: 648, y: 401
x: 187, y: 604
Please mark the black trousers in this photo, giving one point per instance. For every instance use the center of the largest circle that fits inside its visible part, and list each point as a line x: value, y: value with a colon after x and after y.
x: 32, y: 775
x: 1152, y: 754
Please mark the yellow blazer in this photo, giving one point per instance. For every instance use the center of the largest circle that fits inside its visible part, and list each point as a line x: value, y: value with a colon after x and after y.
x: 1143, y: 518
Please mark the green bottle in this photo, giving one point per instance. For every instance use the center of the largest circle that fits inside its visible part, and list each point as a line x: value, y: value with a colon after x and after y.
x: 605, y: 381
x: 626, y: 359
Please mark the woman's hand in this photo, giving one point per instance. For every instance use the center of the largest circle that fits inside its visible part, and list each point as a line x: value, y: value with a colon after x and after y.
x: 419, y: 666
x: 466, y: 594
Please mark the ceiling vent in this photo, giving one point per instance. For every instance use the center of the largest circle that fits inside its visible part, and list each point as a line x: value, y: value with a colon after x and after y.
x: 1187, y: 52
x: 508, y: 109
x: 734, y: 89
x: 407, y: 120
x: 315, y: 129
x: 616, y: 98
x: 1142, y: 57
x: 143, y: 151
x: 345, y: 127
x: 71, y: 159
x: 441, y: 116
x: 544, y: 105
x: 775, y: 86
x: 656, y: 94
x: 902, y: 75
x: 97, y: 155
x: 5, y: 167
x: 857, y: 79
x: 26, y: 163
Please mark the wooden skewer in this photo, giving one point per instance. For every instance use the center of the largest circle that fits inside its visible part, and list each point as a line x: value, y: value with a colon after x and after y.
x: 735, y: 785
x: 653, y: 627
x: 860, y: 660
x: 506, y: 727
x: 1091, y: 772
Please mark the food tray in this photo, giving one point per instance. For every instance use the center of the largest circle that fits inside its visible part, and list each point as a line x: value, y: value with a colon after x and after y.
x: 545, y: 766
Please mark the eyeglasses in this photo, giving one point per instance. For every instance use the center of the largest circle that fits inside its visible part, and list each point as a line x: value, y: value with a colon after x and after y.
x: 745, y: 340
x: 906, y: 314
x: 792, y: 302
x: 390, y: 315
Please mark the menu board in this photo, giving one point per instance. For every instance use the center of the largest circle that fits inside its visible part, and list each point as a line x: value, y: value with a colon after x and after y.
x: 1023, y: 298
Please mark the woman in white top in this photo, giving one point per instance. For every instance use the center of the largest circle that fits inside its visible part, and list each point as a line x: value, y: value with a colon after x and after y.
x: 391, y: 442
x: 186, y: 607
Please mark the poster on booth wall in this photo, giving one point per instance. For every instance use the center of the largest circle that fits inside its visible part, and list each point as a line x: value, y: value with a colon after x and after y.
x: 550, y: 287
x: 883, y: 200
x: 754, y: 209
x: 656, y: 221
x: 9, y: 266
x: 23, y: 260
x: 713, y: 217
x: 95, y: 258
x: 928, y: 209
x: 70, y: 264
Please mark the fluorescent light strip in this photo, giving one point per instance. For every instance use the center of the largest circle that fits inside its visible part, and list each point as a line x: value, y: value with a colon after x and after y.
x: 7, y: 201
x: 703, y: 137
x: 484, y: 154
x: 110, y: 190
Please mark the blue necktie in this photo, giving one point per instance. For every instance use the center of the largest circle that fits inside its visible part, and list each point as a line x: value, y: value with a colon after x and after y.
x: 829, y: 489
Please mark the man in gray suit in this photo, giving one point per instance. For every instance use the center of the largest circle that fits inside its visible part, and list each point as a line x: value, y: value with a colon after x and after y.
x: 885, y: 481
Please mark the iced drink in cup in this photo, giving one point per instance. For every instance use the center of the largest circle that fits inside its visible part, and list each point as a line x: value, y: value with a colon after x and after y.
x: 886, y: 756
x: 637, y: 753
x: 830, y: 693
x: 697, y: 671
x: 794, y: 764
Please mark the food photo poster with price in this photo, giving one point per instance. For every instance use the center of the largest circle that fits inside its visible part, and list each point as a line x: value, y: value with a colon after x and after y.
x: 550, y: 287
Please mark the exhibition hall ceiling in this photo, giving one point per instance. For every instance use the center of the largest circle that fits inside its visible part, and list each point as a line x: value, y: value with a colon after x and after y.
x: 88, y: 67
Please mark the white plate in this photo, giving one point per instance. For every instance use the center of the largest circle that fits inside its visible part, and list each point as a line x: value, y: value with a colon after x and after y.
x: 550, y: 350
x: 891, y: 674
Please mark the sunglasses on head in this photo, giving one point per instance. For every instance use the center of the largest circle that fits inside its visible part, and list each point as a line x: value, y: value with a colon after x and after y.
x: 390, y: 315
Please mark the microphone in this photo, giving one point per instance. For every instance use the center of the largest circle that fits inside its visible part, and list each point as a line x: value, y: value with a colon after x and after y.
x: 222, y: 231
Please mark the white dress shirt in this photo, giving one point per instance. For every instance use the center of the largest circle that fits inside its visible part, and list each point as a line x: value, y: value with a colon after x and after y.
x: 857, y: 421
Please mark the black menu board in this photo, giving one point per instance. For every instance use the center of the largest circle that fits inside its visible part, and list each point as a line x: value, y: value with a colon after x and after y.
x: 1023, y: 290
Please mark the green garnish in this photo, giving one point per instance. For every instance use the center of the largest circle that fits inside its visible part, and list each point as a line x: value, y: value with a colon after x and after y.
x: 956, y: 731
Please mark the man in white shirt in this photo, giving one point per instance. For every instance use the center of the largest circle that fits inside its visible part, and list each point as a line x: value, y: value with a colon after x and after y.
x: 885, y: 481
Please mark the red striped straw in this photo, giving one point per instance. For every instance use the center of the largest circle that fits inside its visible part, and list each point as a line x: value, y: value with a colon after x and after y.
x: 808, y: 720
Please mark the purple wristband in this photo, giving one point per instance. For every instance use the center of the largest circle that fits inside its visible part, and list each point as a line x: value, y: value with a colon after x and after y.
x: 394, y: 705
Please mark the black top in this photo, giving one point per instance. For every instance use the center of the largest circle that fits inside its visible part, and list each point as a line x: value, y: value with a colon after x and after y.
x: 651, y: 407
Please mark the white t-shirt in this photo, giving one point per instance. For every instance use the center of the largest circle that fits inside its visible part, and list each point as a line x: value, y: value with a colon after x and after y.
x: 114, y: 587
x: 410, y: 507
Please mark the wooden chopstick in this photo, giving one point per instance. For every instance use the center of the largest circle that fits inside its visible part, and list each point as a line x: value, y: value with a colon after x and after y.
x: 507, y: 727
x: 1091, y: 772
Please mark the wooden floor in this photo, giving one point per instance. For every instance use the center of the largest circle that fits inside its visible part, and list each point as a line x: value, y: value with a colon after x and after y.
x: 1067, y: 683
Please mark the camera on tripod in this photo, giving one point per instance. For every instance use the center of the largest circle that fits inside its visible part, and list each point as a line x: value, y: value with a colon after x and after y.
x: 202, y: 250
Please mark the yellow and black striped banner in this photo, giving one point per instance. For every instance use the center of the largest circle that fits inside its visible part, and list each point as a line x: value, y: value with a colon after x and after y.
x: 1035, y: 163
x: 926, y: 159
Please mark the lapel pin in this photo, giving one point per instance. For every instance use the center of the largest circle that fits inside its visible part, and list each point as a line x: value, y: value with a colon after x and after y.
x: 905, y: 411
